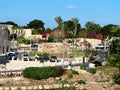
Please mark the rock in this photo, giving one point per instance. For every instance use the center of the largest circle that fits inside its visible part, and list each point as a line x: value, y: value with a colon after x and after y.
x: 58, y: 78
x: 47, y: 86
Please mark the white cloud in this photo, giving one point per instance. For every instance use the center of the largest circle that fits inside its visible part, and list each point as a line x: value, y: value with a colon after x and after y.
x: 72, y: 7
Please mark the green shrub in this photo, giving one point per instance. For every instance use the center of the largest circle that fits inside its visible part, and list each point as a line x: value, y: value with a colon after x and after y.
x: 69, y: 74
x: 73, y: 71
x: 51, y: 38
x: 45, y: 56
x: 81, y: 82
x: 32, y: 53
x: 42, y: 72
x: 11, y: 36
x: 116, y: 78
x: 35, y: 32
x: 27, y: 41
x: 82, y: 66
x: 69, y: 41
x: 97, y: 63
x: 91, y: 70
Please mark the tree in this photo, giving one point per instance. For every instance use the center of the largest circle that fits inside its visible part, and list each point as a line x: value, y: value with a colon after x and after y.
x: 11, y: 36
x: 115, y: 31
x: 115, y: 47
x: 69, y: 31
x: 20, y: 39
x: 99, y: 36
x: 51, y: 38
x: 82, y: 33
x: 36, y: 24
x: 47, y: 30
x: 91, y: 26
x: 69, y: 28
x: 108, y: 30
x: 63, y: 27
x: 75, y: 21
x: 114, y: 54
x: 58, y: 32
x: 59, y: 21
x: 9, y: 23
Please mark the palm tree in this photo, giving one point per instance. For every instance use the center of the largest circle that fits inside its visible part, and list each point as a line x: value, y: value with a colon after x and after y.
x: 75, y: 21
x: 58, y: 29
x: 63, y: 27
x: 59, y: 21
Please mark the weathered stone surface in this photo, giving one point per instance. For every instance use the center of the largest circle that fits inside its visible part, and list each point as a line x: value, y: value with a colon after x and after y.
x: 58, y: 78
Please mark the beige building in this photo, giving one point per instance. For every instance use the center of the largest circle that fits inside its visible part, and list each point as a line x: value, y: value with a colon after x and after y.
x: 9, y: 27
x: 4, y: 43
x: 28, y: 35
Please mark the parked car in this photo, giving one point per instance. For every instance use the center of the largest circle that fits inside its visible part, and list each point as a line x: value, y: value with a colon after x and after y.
x: 14, y: 51
x: 53, y: 59
x: 102, y: 47
x: 38, y: 56
x: 26, y: 57
x: 34, y: 47
x: 12, y: 56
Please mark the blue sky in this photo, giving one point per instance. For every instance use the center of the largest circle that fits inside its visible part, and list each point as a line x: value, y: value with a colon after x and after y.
x: 22, y: 12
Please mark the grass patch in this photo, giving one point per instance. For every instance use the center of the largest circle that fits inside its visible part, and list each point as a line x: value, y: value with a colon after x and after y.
x: 107, y: 69
x: 59, y: 55
x: 32, y: 53
x: 81, y: 82
x: 72, y: 54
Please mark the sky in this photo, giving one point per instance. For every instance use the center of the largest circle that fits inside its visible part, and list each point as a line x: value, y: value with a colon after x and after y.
x: 102, y: 12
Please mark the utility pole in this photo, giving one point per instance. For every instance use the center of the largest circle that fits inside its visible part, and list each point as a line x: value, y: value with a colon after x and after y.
x: 105, y: 50
x: 5, y: 43
x: 62, y: 54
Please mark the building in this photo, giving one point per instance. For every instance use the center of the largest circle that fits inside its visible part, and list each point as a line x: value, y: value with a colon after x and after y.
x: 4, y: 43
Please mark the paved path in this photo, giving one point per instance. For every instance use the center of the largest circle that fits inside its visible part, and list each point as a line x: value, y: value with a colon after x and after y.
x: 20, y: 65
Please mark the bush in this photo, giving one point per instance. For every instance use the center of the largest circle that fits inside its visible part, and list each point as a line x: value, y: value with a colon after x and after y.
x: 82, y: 66
x: 91, y: 70
x: 69, y: 41
x: 42, y: 72
x: 69, y: 74
x: 20, y: 39
x: 51, y: 38
x: 11, y: 36
x: 116, y: 78
x: 97, y: 63
x: 27, y: 41
x: 81, y: 82
x: 32, y: 54
x: 73, y: 71
x: 45, y: 56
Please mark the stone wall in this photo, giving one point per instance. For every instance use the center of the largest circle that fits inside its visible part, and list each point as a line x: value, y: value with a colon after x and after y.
x: 59, y: 47
x: 53, y: 47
